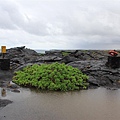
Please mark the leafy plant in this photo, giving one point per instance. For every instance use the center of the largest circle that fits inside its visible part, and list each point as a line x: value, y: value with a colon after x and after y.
x: 53, y: 76
x: 65, y: 53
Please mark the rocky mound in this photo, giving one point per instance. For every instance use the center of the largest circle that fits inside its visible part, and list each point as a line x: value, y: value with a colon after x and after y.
x: 90, y: 62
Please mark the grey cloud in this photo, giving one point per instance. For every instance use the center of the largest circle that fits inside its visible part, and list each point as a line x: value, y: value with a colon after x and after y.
x: 67, y: 24
x: 12, y: 18
x: 76, y: 21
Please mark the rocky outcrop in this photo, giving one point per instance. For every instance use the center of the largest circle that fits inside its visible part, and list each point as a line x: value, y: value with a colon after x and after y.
x: 4, y: 102
x: 20, y: 55
x: 90, y: 62
x: 99, y: 74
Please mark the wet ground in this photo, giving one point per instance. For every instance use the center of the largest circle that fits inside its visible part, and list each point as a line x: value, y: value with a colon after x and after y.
x: 94, y: 104
x: 5, y: 77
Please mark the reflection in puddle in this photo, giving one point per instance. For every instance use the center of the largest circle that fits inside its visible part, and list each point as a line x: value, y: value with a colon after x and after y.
x: 3, y: 92
x: 96, y: 104
x: 14, y: 94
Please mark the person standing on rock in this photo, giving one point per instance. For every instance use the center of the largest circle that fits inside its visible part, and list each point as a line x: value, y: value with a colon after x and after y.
x: 113, y: 53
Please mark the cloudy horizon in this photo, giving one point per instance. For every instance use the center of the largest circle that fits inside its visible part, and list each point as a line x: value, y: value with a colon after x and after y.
x: 60, y: 24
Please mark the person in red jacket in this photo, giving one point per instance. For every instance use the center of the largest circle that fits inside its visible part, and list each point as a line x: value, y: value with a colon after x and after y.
x: 113, y: 53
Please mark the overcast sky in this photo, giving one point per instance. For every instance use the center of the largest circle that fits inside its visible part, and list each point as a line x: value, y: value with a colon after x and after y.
x: 60, y: 24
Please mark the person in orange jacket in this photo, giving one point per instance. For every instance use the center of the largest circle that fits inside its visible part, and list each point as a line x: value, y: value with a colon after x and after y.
x: 113, y: 53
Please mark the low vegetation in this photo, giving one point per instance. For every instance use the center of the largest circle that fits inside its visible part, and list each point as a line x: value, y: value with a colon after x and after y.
x: 65, y: 53
x: 55, y: 76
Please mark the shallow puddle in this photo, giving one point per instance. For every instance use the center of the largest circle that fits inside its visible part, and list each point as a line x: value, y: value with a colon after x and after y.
x: 94, y: 104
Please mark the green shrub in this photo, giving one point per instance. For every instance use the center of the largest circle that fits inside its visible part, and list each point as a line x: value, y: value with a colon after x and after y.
x: 65, y: 53
x: 54, y: 76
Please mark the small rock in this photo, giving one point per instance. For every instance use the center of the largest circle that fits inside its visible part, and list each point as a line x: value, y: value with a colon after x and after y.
x: 13, y: 86
x: 15, y: 90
